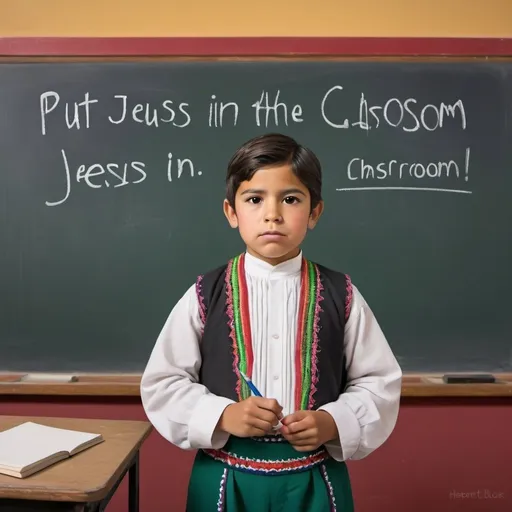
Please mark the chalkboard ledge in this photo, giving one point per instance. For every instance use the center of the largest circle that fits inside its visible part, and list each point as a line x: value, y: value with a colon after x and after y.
x: 109, y: 385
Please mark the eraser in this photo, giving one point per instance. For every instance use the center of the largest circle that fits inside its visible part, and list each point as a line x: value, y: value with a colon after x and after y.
x: 49, y: 377
x: 469, y: 378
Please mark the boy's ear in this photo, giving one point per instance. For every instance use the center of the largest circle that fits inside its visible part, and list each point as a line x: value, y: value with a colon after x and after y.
x: 315, y: 215
x: 230, y: 214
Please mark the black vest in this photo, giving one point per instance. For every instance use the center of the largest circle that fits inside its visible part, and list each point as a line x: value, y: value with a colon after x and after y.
x: 217, y: 372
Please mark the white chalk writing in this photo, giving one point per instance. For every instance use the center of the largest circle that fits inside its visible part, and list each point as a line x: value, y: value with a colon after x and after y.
x: 145, y: 113
x: 181, y: 164
x: 279, y: 109
x: 216, y: 114
x: 407, y: 115
x: 359, y: 170
x: 50, y: 100
x: 90, y: 175
x: 338, y: 106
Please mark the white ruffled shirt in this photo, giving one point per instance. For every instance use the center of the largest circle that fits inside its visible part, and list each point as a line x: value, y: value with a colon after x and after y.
x: 185, y: 413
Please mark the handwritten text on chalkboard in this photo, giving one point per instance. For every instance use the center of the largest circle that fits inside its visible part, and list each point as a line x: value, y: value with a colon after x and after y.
x: 269, y: 110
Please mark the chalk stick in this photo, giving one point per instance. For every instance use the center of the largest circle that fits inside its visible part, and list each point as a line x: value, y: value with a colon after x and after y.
x: 469, y: 378
x: 49, y: 378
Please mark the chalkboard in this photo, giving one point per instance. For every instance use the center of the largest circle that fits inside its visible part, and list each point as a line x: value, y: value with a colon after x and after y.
x: 112, y: 181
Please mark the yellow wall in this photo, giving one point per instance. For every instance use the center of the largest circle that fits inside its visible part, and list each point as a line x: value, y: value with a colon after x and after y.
x: 422, y: 18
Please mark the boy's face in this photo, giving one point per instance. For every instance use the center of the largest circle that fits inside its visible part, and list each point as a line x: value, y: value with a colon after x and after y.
x: 273, y: 213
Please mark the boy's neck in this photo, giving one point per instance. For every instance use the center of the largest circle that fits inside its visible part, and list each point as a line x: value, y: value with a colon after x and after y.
x: 275, y: 261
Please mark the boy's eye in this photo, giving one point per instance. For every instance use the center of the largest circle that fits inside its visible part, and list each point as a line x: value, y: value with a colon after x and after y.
x: 254, y: 200
x: 291, y: 200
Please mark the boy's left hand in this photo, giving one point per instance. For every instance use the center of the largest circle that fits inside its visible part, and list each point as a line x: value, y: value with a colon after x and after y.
x: 307, y: 430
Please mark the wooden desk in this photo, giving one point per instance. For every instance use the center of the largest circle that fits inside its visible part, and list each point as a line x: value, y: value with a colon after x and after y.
x: 85, y: 482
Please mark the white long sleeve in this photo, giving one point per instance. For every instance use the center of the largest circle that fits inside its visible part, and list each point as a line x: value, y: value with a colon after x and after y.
x: 367, y: 411
x: 186, y: 413
x: 181, y: 410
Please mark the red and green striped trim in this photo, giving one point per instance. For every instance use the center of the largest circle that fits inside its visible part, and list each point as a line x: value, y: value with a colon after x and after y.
x: 306, y: 372
x: 238, y: 310
x: 307, y: 336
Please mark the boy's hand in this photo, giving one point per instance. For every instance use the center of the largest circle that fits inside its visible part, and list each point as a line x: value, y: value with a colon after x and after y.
x: 307, y: 430
x: 254, y: 416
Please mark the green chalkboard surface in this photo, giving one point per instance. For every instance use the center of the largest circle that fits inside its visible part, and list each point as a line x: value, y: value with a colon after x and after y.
x: 112, y: 181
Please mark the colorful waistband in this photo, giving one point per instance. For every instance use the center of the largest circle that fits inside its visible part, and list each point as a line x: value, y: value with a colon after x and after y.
x: 269, y: 466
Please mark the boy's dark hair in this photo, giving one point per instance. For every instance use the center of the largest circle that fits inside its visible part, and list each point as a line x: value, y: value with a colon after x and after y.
x: 269, y: 150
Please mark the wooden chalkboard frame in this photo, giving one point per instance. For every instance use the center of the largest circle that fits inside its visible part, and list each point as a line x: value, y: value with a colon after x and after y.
x: 252, y: 46
x: 87, y: 48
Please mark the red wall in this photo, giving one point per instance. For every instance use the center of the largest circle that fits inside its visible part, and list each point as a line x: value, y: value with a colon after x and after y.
x: 438, y: 448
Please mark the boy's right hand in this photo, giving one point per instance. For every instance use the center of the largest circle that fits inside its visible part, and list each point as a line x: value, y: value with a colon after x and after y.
x: 253, y: 417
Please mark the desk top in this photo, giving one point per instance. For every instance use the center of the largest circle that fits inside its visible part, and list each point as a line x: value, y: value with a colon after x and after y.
x: 87, y: 476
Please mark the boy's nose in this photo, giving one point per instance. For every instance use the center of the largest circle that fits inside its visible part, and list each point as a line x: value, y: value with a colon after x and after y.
x: 273, y: 212
x: 273, y: 217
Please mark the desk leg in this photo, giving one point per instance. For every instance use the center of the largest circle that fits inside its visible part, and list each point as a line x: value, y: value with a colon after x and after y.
x: 133, y: 485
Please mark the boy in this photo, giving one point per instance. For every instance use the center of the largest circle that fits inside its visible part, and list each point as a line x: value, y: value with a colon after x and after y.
x: 304, y: 335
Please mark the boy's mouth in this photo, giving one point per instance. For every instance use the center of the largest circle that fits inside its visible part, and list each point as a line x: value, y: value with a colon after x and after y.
x: 272, y: 236
x: 272, y: 233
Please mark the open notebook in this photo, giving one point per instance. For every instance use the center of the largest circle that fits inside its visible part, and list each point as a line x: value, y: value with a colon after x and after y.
x: 30, y: 447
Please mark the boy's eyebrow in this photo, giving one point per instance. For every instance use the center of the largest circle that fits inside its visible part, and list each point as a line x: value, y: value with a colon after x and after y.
x: 253, y: 191
x: 283, y: 192
x: 292, y: 191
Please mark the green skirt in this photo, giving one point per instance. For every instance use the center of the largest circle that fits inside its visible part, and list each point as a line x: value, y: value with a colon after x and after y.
x: 267, y: 474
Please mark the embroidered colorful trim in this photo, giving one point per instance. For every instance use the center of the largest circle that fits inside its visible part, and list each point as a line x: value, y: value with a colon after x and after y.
x: 314, y: 350
x: 200, y: 299
x: 239, y: 321
x: 269, y: 439
x: 330, y: 490
x: 231, y: 323
x: 306, y: 372
x: 266, y: 466
x: 222, y: 491
x: 348, y: 300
